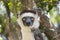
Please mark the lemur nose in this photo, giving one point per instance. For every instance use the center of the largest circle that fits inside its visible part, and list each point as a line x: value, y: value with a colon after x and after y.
x: 28, y: 23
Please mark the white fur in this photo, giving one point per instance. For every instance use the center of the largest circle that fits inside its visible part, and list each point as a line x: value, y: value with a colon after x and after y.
x: 26, y: 31
x: 28, y: 14
x: 36, y: 22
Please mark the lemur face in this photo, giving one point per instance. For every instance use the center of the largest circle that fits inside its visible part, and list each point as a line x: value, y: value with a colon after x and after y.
x: 28, y: 21
x: 28, y: 18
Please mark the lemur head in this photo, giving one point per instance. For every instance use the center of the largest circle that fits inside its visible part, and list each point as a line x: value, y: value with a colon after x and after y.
x: 28, y: 18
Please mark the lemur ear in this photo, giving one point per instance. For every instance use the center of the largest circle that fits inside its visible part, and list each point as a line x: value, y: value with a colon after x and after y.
x: 38, y: 16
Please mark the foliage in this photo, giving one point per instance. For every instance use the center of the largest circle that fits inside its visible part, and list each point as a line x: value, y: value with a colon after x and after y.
x: 14, y: 19
x: 58, y: 18
x: 14, y: 6
x: 46, y: 4
x: 2, y: 23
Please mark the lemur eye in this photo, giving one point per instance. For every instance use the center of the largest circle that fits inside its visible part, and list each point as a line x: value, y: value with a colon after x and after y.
x: 32, y: 19
x: 23, y: 19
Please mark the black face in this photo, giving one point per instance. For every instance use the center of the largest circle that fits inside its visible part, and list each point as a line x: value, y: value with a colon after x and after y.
x: 28, y: 21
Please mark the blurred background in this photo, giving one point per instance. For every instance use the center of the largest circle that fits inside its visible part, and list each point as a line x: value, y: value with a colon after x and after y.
x: 10, y: 8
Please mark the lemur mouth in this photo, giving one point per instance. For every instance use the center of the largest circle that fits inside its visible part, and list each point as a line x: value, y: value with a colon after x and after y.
x: 28, y: 24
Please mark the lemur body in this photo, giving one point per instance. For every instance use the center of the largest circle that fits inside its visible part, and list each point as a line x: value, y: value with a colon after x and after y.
x: 29, y: 23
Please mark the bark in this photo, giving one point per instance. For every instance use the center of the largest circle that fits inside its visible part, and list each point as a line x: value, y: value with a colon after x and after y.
x: 8, y: 20
x: 27, y: 4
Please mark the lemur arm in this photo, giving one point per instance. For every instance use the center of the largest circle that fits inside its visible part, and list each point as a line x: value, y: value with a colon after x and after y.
x: 37, y: 34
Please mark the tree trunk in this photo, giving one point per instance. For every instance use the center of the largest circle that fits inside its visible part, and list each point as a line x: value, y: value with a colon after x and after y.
x: 8, y: 20
x: 27, y: 4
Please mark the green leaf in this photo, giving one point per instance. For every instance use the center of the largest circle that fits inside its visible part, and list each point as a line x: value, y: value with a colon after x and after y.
x: 19, y: 3
x: 53, y: 20
x: 58, y: 18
